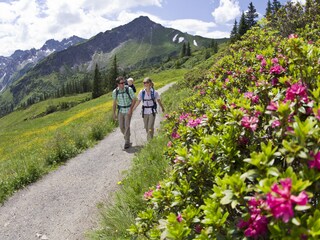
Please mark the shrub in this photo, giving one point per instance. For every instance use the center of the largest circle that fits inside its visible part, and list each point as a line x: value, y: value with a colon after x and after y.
x: 244, y: 149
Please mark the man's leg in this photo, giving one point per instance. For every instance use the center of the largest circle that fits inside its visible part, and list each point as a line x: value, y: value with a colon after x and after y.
x: 121, y: 118
x: 127, y: 120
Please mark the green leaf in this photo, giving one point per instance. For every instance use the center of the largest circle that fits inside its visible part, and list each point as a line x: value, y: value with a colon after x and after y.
x: 227, y: 198
x: 273, y: 172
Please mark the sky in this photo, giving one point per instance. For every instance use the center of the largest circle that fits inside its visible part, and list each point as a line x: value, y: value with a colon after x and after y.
x: 26, y: 24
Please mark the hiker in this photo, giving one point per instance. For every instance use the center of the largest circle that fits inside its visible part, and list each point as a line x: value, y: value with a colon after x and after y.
x: 149, y: 98
x: 130, y: 84
x: 124, y: 100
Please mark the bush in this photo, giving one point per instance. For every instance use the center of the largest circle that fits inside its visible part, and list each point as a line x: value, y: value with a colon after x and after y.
x: 244, y: 149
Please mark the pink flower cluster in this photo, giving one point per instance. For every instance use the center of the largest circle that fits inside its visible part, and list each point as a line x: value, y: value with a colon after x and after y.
x: 273, y: 106
x: 147, y: 195
x: 175, y: 135
x: 257, y: 223
x: 250, y: 122
x: 280, y: 201
x: 179, y: 217
x: 315, y: 163
x: 276, y: 69
x: 194, y: 122
x: 297, y: 90
x: 254, y: 98
x: 184, y: 116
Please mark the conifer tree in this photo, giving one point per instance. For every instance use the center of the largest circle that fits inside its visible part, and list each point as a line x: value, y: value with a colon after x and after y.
x: 234, y: 35
x: 188, y: 50
x: 215, y: 47
x: 97, y: 90
x: 243, y: 27
x: 268, y: 10
x: 276, y: 5
x: 250, y: 16
x: 183, y: 50
x: 113, y: 74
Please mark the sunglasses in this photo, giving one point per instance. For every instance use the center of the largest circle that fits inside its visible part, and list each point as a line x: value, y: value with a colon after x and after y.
x: 121, y: 82
x: 145, y: 82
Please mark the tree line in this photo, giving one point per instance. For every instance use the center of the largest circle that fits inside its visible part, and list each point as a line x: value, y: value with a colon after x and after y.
x: 248, y: 19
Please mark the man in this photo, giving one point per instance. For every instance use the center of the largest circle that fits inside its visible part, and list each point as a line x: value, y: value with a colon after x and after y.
x: 130, y: 84
x: 149, y: 97
x: 124, y: 100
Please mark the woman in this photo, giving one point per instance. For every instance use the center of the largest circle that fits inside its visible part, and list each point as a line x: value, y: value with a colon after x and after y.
x: 149, y: 98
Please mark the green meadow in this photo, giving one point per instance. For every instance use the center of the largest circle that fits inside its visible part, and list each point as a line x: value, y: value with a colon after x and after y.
x: 36, y: 140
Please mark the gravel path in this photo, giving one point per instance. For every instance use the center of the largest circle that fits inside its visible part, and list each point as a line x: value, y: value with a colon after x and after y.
x: 63, y: 204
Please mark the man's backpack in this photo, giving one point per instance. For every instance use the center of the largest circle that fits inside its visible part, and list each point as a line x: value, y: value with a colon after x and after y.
x: 126, y: 91
x: 154, y: 107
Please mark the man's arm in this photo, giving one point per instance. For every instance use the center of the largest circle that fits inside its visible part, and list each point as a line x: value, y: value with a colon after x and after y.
x: 133, y: 103
x: 114, y: 109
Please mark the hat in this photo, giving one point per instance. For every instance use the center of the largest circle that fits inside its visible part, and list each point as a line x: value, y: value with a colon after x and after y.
x: 130, y: 80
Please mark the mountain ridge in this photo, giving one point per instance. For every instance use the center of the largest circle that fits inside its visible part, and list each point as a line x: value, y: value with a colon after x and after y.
x: 136, y: 44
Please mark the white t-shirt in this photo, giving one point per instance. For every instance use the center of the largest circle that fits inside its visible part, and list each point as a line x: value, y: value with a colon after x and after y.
x: 148, y: 100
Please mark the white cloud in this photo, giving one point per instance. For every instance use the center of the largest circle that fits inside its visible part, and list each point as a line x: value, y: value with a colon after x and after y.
x: 227, y: 11
x: 300, y: 1
x: 29, y: 23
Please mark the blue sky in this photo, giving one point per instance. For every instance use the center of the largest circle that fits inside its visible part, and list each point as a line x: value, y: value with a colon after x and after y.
x: 25, y: 24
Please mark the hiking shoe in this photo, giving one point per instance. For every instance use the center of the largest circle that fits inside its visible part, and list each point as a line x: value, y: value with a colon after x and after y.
x: 127, y: 145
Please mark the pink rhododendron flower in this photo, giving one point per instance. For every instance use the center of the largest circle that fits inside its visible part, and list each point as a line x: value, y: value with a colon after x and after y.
x: 263, y: 63
x: 197, y: 228
x: 158, y: 186
x: 250, y: 122
x: 315, y: 163
x: 257, y: 224
x: 275, y: 123
x: 280, y: 200
x: 179, y: 218
x: 248, y: 95
x: 233, y: 105
x: 295, y: 90
x: 169, y: 144
x: 249, y: 70
x: 259, y: 57
x: 274, y: 81
x: 224, y: 107
x: 183, y: 116
x: 175, y: 135
x: 273, y: 106
x: 293, y: 36
x: 255, y: 99
x: 148, y: 194
x: 226, y: 80
x: 256, y: 113
x: 194, y: 123
x: 277, y: 69
x: 242, y: 140
x: 275, y: 60
x: 202, y: 92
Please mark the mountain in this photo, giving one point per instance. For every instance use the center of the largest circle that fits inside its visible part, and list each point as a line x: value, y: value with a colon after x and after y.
x: 137, y: 44
x: 15, y: 66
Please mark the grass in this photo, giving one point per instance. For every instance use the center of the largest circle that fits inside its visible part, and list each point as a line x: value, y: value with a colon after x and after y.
x: 148, y: 168
x: 32, y: 146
